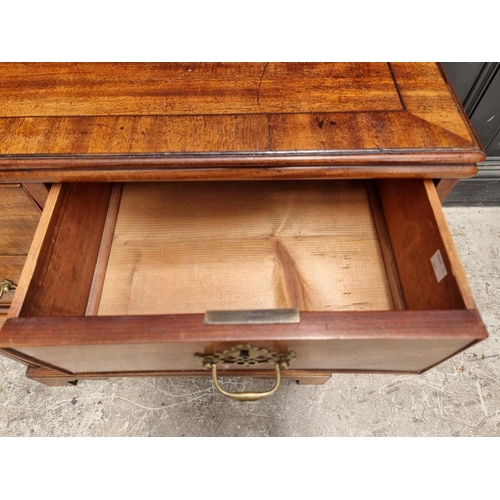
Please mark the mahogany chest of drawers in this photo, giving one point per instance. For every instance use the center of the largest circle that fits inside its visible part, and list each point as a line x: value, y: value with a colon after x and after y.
x: 273, y: 219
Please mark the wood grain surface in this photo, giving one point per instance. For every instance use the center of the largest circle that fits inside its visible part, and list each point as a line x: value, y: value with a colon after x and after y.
x: 104, y: 250
x: 191, y: 247
x: 385, y: 246
x: 19, y: 217
x: 362, y: 355
x: 417, y: 230
x: 444, y: 187
x: 230, y: 168
x: 34, y: 252
x: 450, y: 249
x: 58, y: 278
x: 80, y: 89
x: 60, y: 119
x: 38, y: 193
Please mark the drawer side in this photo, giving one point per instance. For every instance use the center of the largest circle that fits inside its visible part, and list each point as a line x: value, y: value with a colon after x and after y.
x: 429, y: 268
x: 58, y: 273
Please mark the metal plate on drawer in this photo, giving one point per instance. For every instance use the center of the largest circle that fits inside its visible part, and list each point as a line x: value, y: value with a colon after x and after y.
x: 252, y: 316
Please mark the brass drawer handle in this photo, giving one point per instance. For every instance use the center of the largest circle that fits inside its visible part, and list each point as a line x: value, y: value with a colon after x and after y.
x: 247, y: 396
x: 246, y: 355
x: 6, y: 286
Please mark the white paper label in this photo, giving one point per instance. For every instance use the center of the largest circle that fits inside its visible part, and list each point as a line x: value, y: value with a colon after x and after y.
x: 438, y: 266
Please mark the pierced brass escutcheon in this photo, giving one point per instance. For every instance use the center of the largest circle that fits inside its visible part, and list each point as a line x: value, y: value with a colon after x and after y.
x: 246, y: 355
x: 6, y: 286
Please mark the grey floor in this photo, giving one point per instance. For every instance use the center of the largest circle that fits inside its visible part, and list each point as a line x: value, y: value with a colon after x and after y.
x: 460, y: 397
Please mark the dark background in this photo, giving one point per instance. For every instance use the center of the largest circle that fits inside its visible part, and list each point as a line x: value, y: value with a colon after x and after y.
x: 477, y: 85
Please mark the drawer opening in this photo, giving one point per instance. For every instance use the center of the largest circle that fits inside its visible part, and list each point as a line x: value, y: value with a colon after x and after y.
x: 188, y: 247
x: 192, y: 247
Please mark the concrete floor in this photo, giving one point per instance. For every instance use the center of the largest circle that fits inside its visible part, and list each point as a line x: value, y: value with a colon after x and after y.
x: 460, y: 397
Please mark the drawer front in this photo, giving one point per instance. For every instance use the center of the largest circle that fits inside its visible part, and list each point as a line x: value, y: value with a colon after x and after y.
x: 399, y: 341
x: 429, y: 315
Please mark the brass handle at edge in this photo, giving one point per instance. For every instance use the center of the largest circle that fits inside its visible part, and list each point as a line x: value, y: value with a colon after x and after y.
x: 247, y: 396
x: 6, y: 286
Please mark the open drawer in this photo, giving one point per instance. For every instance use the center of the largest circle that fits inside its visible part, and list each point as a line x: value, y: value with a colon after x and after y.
x: 119, y: 278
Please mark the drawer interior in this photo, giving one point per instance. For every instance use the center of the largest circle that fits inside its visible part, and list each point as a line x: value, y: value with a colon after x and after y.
x: 176, y: 248
x: 192, y: 247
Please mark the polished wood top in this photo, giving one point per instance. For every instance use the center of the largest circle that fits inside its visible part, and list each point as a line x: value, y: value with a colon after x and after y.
x: 87, y: 121
x: 195, y: 89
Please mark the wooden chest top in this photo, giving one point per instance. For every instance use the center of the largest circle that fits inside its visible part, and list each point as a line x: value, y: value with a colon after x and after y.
x: 136, y: 121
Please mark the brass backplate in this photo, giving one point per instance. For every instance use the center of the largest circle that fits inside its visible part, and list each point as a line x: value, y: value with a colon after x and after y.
x: 252, y: 317
x: 246, y: 355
